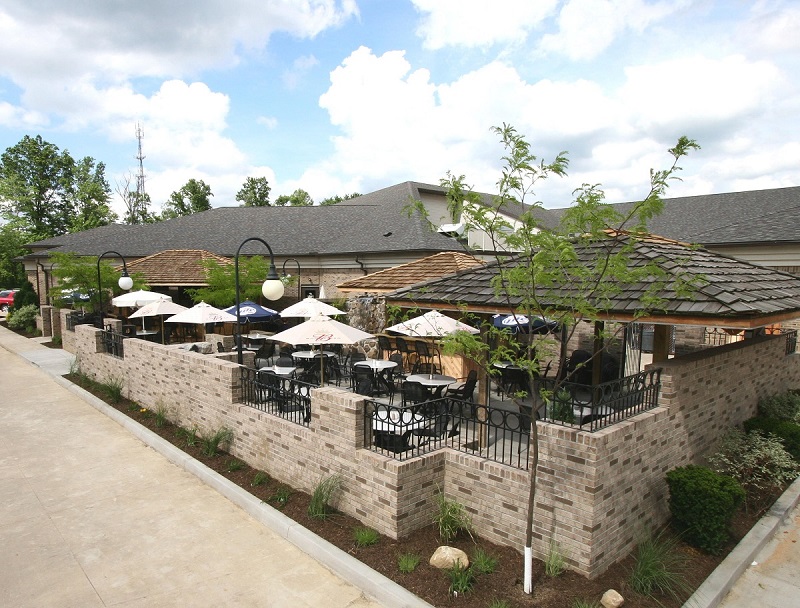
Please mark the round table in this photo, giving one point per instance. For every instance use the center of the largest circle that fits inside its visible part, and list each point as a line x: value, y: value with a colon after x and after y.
x: 310, y: 354
x: 377, y: 365
x: 431, y: 380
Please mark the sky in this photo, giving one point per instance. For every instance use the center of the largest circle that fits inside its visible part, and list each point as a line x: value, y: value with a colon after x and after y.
x: 342, y: 96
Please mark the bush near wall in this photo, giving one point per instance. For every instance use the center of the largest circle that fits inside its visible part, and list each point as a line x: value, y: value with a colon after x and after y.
x: 702, y: 504
x: 788, y: 432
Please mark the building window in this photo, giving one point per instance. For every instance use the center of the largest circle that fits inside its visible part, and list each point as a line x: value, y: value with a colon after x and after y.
x: 309, y: 290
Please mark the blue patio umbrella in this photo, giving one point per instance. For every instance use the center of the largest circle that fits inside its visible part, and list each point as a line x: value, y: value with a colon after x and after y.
x: 250, y: 312
x: 521, y: 324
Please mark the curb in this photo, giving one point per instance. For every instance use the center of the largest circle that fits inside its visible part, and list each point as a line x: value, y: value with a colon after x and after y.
x: 372, y: 583
x: 719, y: 583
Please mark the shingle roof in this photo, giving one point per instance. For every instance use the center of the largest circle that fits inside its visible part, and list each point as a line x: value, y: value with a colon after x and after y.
x: 175, y: 267
x: 731, y: 292
x: 433, y: 266
x: 373, y: 223
x: 757, y: 216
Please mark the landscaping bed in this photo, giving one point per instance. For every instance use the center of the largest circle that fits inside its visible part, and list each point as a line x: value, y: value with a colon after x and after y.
x: 500, y: 588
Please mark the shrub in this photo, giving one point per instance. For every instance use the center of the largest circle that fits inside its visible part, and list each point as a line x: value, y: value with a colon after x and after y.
x: 782, y: 407
x: 259, y: 479
x: 281, y: 496
x: 23, y: 318
x: 113, y: 388
x: 758, y: 462
x: 461, y: 579
x: 319, y: 506
x: 702, y: 503
x: 365, y: 537
x: 554, y: 563
x: 483, y: 562
x: 788, y: 431
x: 408, y: 562
x: 211, y: 443
x: 659, y: 567
x: 451, y: 519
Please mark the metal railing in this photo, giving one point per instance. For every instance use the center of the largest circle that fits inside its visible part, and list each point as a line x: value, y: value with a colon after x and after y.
x: 280, y: 396
x: 594, y: 407
x: 497, y: 433
x: 112, y: 342
x: 79, y: 318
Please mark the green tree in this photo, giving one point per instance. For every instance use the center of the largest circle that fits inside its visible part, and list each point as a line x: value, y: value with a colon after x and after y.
x: 254, y: 193
x: 221, y: 289
x: 13, y: 236
x: 298, y: 198
x: 91, y: 196
x: 554, y: 274
x: 137, y: 205
x: 79, y: 273
x: 193, y: 197
x: 333, y: 200
x: 35, y: 183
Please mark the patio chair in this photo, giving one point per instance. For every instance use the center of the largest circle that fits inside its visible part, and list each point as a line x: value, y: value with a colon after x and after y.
x: 513, y: 380
x: 414, y: 394
x: 385, y: 346
x: 440, y: 421
x: 397, y: 372
x: 425, y: 358
x: 464, y: 390
x: 220, y: 348
x: 409, y: 355
x: 363, y: 381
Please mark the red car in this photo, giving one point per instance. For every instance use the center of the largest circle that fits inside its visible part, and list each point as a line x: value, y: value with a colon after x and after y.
x: 7, y: 299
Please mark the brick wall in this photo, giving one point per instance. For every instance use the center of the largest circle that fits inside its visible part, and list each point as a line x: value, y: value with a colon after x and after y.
x: 598, y: 493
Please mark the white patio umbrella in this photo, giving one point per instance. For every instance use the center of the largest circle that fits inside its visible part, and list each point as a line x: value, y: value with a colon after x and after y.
x: 318, y: 331
x: 202, y: 313
x: 432, y: 323
x: 159, y: 308
x: 309, y: 308
x: 138, y: 298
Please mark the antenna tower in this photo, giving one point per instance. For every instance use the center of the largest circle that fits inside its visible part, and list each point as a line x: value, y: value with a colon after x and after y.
x: 137, y: 203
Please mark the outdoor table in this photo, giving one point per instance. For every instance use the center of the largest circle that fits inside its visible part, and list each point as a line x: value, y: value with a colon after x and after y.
x: 146, y: 334
x: 398, y: 422
x: 284, y: 372
x: 379, y: 369
x: 310, y: 354
x: 435, y: 382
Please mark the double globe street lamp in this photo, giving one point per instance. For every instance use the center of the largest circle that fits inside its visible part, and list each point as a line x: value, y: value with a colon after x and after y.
x: 272, y: 288
x: 125, y: 283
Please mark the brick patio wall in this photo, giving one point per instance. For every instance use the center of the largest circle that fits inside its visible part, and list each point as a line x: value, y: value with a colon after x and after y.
x: 598, y: 493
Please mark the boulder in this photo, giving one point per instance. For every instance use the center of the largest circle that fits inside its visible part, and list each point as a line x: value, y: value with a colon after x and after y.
x: 612, y: 599
x: 445, y: 558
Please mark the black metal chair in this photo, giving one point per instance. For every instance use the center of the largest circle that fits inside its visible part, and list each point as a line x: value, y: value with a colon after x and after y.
x: 465, y: 390
x: 385, y: 346
x: 414, y: 394
x: 424, y: 363
x: 363, y: 381
x: 409, y: 355
x: 440, y: 423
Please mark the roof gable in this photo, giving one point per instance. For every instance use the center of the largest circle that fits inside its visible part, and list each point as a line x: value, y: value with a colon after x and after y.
x: 176, y: 267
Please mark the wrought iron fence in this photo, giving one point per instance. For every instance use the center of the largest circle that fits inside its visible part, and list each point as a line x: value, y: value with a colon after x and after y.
x: 497, y: 433
x: 716, y: 336
x: 79, y: 318
x: 594, y: 407
x: 112, y: 342
x: 277, y: 395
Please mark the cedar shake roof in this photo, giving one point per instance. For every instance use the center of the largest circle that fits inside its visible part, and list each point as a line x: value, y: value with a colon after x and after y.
x: 433, y: 266
x: 175, y: 267
x: 731, y: 293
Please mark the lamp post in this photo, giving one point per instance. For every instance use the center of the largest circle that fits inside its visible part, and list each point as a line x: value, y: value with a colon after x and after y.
x: 272, y: 287
x: 298, y: 274
x: 125, y: 283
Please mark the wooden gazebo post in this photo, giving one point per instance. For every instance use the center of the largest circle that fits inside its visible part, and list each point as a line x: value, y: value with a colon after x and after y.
x: 661, y: 343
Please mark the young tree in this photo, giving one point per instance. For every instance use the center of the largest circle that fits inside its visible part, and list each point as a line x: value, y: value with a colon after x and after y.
x: 13, y: 237
x: 79, y: 273
x: 298, y: 198
x: 254, y: 193
x: 193, y: 197
x: 221, y: 289
x: 567, y: 275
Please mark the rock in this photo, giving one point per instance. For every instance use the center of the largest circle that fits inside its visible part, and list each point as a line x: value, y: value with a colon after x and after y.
x: 612, y: 599
x: 445, y: 558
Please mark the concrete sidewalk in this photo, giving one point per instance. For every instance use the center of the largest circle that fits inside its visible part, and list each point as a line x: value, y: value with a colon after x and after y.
x: 91, y: 516
x: 86, y: 522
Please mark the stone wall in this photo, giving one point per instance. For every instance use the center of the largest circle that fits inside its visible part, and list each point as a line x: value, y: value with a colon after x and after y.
x: 597, y: 492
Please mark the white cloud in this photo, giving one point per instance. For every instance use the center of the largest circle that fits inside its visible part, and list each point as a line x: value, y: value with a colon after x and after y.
x: 588, y: 27
x: 300, y: 67
x: 478, y: 23
x: 771, y: 29
x: 270, y: 122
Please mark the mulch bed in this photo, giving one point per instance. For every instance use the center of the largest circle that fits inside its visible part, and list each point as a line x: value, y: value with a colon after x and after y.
x: 433, y: 585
